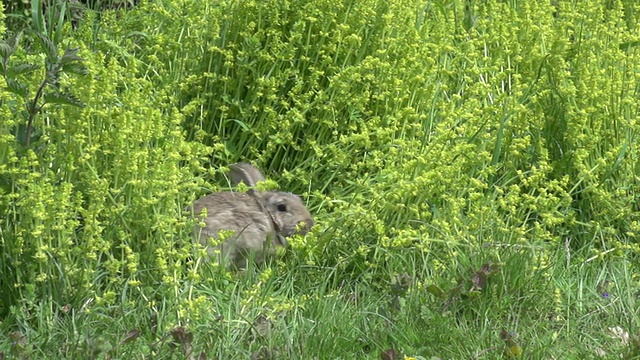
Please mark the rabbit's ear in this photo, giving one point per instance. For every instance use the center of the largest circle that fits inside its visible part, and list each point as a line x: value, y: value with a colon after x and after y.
x: 246, y: 173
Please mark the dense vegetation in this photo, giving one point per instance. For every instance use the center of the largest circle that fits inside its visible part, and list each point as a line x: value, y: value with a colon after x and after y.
x: 471, y: 165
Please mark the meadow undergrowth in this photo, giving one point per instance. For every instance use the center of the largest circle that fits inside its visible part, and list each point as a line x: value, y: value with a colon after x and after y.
x: 471, y: 166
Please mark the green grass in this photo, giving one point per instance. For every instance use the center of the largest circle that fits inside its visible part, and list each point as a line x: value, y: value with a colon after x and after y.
x: 471, y: 167
x: 557, y: 311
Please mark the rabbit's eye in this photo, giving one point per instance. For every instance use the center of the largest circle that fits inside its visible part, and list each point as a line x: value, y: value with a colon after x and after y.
x: 282, y: 207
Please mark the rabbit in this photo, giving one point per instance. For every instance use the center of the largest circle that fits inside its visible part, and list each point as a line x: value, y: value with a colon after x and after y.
x: 261, y: 220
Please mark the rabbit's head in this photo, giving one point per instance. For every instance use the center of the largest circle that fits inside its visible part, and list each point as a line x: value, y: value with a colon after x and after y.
x: 287, y: 213
x: 286, y: 210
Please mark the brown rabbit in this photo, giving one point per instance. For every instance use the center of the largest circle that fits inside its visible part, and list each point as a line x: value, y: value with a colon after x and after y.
x: 260, y: 220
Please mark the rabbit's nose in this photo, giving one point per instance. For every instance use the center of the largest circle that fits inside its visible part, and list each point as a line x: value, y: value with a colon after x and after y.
x: 305, y: 225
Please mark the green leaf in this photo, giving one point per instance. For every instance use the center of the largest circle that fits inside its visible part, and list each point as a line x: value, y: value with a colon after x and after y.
x: 20, y: 132
x: 17, y: 88
x: 61, y: 13
x: 21, y: 69
x: 36, y: 16
x: 75, y: 68
x: 14, y: 41
x: 70, y: 55
x: 137, y: 34
x: 628, y: 45
x: 5, y: 50
x: 435, y: 290
x: 8, y: 47
x: 50, y: 49
x: 62, y: 98
x: 470, y: 18
x: 242, y: 124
